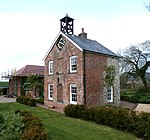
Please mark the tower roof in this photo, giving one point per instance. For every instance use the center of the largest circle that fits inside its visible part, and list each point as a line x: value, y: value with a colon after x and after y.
x: 66, y: 18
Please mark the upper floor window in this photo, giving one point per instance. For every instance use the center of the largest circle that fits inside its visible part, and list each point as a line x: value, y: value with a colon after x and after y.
x: 50, y: 67
x: 73, y: 64
x: 73, y: 94
x: 109, y: 94
x: 50, y: 91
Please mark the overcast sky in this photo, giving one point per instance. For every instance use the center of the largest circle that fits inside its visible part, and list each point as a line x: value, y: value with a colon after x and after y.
x: 28, y: 27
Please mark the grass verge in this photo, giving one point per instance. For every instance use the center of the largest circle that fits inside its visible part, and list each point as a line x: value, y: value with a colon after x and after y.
x: 60, y: 127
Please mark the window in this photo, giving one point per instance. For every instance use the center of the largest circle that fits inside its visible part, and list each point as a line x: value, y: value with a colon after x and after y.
x: 73, y: 94
x: 50, y: 91
x: 73, y: 64
x: 109, y: 94
x: 50, y: 67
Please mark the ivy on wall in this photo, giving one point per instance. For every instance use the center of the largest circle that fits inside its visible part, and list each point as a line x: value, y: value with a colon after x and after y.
x: 109, y: 75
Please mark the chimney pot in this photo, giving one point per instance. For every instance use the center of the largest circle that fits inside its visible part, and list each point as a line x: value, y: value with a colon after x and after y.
x: 83, y: 34
x: 82, y: 30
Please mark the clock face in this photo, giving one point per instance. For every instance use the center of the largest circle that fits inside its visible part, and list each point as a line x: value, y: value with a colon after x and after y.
x: 61, y: 43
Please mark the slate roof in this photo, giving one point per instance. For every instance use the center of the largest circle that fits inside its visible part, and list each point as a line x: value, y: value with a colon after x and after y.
x: 91, y: 45
x: 84, y: 45
x: 30, y: 70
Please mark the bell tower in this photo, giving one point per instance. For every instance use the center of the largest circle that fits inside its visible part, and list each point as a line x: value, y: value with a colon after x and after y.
x: 66, y: 25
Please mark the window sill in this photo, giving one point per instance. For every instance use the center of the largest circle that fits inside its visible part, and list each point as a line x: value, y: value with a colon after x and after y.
x: 74, y: 103
x: 70, y: 72
x: 50, y: 99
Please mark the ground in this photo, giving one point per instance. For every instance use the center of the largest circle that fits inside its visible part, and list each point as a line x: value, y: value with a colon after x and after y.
x: 137, y: 107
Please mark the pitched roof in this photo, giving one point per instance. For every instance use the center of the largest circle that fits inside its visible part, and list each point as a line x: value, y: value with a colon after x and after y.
x: 91, y: 45
x: 84, y: 44
x: 30, y: 70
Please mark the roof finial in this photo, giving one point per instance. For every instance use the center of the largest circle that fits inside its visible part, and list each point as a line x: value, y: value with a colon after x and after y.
x: 66, y: 15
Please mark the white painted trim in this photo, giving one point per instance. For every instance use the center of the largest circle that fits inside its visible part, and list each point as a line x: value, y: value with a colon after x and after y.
x: 61, y: 33
x: 71, y: 71
x: 72, y: 102
x: 49, y: 98
x: 51, y: 62
x: 110, y: 101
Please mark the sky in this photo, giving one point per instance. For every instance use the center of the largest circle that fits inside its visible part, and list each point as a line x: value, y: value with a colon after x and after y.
x: 29, y: 27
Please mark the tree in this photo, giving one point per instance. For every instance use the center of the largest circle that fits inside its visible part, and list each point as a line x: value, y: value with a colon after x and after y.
x: 148, y: 6
x: 136, y: 59
x: 36, y: 84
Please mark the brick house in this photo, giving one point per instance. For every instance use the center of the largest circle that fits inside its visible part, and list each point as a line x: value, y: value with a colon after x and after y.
x: 74, y: 70
x: 18, y: 79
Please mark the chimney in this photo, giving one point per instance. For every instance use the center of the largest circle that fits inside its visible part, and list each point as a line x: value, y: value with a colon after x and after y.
x: 83, y: 34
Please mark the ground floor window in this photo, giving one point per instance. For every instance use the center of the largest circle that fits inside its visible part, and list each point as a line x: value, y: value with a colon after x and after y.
x: 73, y: 94
x: 50, y: 91
x: 109, y: 94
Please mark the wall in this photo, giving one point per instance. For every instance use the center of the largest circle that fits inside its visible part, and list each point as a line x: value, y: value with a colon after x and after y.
x: 62, y: 76
x: 116, y: 86
x: 95, y: 65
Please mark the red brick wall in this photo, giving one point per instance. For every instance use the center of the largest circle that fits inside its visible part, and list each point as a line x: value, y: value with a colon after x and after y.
x: 94, y: 64
x: 61, y: 62
x: 15, y: 82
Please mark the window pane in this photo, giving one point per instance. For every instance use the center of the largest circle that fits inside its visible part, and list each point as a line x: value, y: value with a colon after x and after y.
x: 51, y: 67
x: 73, y: 61
x: 74, y: 67
x: 50, y: 91
x: 109, y: 94
x: 73, y: 93
x: 73, y: 64
x: 74, y: 97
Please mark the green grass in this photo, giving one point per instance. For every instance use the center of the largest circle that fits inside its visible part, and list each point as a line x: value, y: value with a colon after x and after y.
x: 4, y: 84
x: 60, y: 127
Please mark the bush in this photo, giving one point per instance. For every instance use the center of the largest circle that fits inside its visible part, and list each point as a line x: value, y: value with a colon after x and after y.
x: 11, y: 126
x: 40, y: 100
x: 116, y: 117
x: 140, y: 96
x: 33, y: 129
x: 26, y: 100
x: 74, y: 111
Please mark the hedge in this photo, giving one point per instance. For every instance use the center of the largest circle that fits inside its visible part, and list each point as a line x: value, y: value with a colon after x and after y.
x: 120, y: 118
x: 26, y: 100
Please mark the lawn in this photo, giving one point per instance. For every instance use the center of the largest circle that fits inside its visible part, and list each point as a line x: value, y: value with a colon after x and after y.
x: 60, y: 127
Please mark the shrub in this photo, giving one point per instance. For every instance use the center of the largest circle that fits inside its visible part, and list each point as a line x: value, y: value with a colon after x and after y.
x: 116, y: 117
x: 11, y: 126
x: 26, y: 100
x: 74, y: 111
x: 140, y: 96
x: 40, y: 100
x: 33, y: 129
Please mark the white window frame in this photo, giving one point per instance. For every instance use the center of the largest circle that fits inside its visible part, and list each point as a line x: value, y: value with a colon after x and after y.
x: 50, y: 91
x: 110, y: 94
x: 71, y: 101
x: 72, y: 57
x: 50, y: 67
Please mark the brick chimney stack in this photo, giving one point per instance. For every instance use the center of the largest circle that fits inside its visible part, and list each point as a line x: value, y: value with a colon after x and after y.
x: 83, y: 34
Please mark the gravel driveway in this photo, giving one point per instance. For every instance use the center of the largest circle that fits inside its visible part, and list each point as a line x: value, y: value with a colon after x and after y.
x: 6, y: 100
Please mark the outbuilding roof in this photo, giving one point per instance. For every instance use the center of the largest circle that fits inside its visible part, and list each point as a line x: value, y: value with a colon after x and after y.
x: 30, y: 70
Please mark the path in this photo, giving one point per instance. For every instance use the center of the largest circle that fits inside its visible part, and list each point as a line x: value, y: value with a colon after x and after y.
x: 137, y: 107
x: 6, y: 100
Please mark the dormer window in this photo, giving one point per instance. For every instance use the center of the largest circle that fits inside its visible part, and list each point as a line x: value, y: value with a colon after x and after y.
x: 73, y: 64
